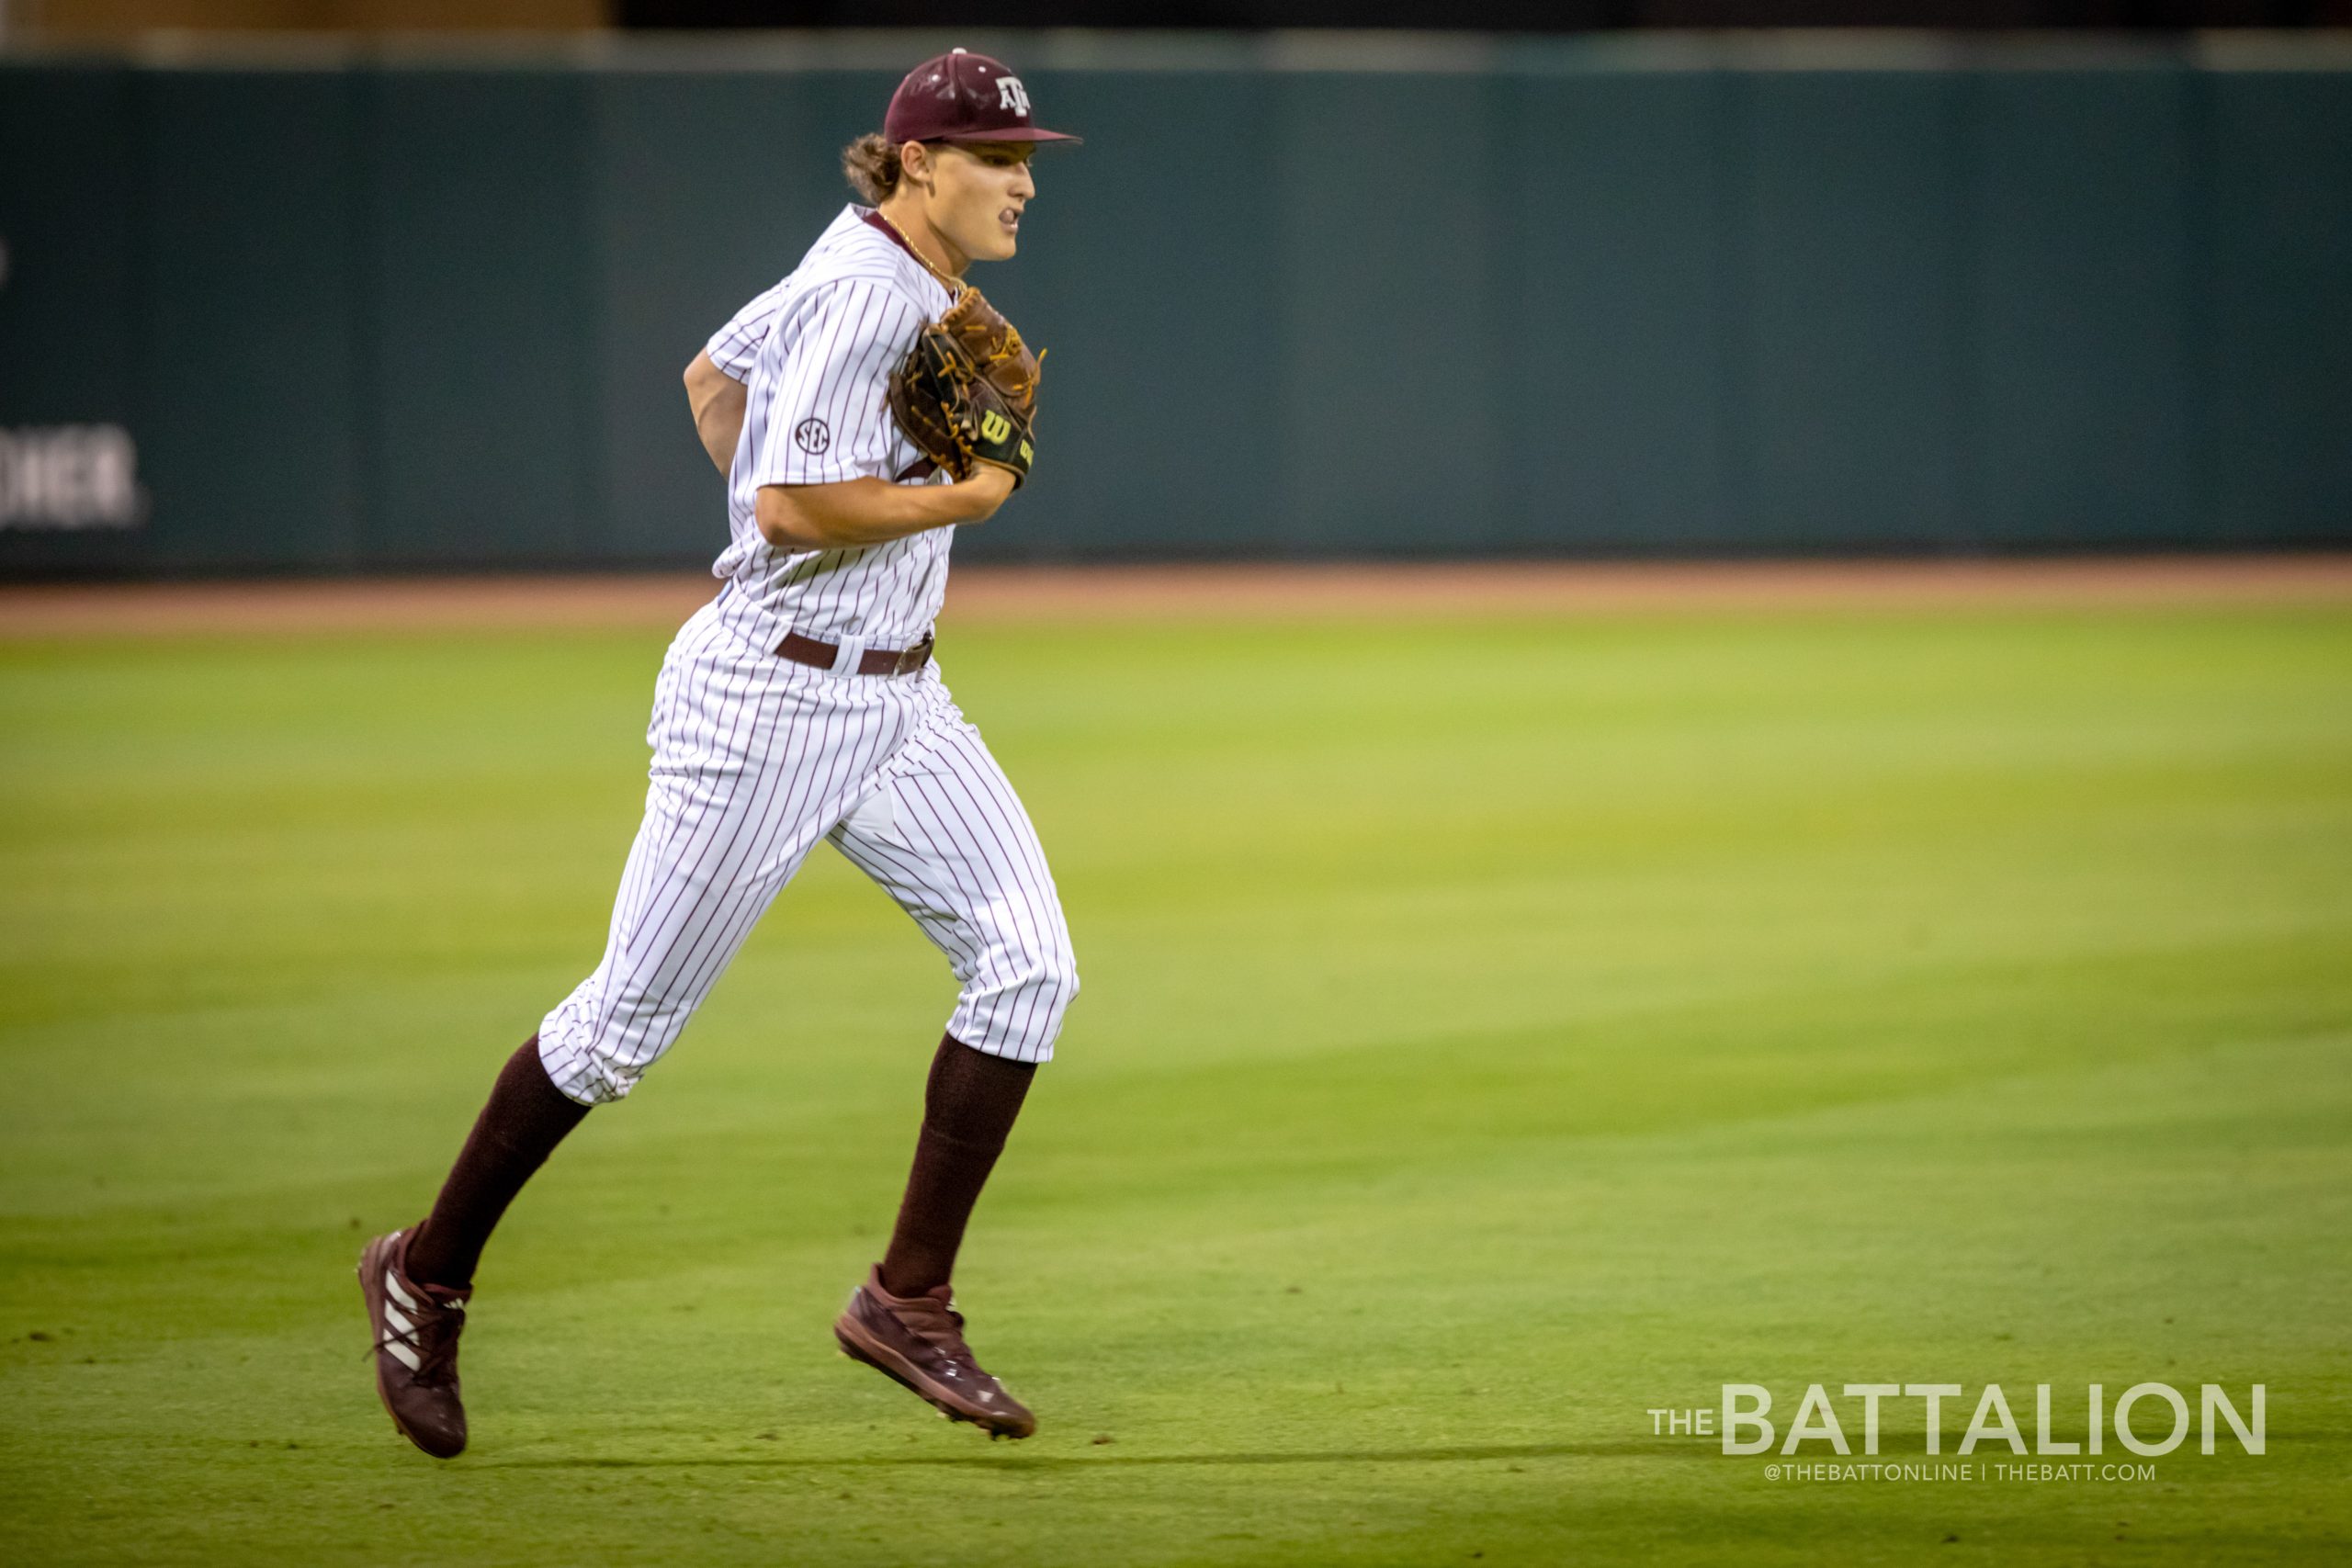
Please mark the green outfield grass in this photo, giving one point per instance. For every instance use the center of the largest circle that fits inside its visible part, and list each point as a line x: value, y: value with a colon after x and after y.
x: 1492, y: 1031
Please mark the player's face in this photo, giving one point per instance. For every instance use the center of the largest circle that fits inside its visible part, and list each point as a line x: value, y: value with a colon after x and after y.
x: 978, y: 195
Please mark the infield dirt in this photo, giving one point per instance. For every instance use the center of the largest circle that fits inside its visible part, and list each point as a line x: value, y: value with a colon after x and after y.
x: 1064, y: 594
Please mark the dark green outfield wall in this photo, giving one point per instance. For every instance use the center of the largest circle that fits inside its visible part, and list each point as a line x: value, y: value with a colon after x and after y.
x: 1547, y: 297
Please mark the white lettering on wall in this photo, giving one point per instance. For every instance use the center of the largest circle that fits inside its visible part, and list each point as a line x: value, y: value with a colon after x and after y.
x: 69, y: 476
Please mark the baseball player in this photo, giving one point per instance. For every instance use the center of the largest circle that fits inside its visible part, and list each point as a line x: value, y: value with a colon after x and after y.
x: 801, y: 704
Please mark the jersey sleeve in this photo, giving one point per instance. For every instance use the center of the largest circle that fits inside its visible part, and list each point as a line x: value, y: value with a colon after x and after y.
x: 735, y: 347
x: 827, y: 374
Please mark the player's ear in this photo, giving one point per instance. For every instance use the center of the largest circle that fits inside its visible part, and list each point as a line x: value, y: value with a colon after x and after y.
x: 915, y: 165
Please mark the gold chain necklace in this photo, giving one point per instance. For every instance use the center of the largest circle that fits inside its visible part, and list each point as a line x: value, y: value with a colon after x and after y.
x: 952, y: 286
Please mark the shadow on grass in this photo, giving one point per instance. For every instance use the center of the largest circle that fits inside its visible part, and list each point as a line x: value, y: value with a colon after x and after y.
x: 1663, y: 1447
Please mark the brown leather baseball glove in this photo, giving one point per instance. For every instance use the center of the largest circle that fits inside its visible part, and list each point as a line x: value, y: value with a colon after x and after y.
x: 966, y: 392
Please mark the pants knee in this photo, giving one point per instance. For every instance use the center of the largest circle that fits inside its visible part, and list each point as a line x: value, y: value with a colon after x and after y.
x: 1053, y: 978
x: 1056, y: 990
x: 596, y: 1052
x: 1015, y: 1007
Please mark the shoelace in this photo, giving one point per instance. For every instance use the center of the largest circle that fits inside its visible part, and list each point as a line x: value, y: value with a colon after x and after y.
x: 947, y: 1338
x: 434, y: 1337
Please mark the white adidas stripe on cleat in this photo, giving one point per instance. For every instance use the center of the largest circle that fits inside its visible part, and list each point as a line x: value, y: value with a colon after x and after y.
x: 401, y: 1350
x: 392, y: 1287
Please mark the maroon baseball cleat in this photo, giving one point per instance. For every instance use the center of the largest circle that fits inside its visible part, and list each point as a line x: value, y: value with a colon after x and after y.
x: 415, y: 1328
x: 918, y: 1341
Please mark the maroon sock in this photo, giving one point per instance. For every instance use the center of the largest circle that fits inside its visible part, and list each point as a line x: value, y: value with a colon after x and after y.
x: 969, y: 1105
x: 525, y: 1119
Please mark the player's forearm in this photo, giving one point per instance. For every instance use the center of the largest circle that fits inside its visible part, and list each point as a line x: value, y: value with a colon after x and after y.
x: 873, y: 512
x: 718, y: 401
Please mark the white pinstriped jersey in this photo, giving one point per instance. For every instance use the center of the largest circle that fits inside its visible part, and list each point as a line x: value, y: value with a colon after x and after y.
x: 816, y: 353
x: 757, y: 757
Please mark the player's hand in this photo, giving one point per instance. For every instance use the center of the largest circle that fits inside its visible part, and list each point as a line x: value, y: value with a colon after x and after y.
x: 986, y: 489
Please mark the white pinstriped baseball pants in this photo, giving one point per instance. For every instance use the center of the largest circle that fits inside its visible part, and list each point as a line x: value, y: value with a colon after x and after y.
x: 755, y: 759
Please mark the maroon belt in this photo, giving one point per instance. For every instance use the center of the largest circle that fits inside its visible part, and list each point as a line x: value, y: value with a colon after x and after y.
x: 876, y: 661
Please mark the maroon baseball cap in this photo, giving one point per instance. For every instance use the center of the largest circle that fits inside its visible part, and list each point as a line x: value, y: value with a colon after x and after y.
x: 962, y: 96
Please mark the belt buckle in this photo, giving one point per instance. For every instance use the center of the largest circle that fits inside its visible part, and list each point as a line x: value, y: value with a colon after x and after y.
x: 912, y: 659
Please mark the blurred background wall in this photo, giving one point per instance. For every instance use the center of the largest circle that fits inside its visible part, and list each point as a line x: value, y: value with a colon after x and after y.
x: 371, y: 303
x: 58, y: 19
